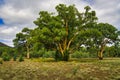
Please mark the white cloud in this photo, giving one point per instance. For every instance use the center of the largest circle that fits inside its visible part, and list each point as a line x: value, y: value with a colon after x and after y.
x: 9, y: 30
x: 21, y: 13
x: 14, y: 16
x: 108, y: 11
x: 7, y: 34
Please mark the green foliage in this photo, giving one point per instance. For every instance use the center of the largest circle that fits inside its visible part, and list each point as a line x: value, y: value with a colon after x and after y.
x: 1, y: 60
x: 22, y: 42
x: 58, y: 31
x: 65, y: 32
x: 49, y: 54
x: 58, y: 56
x: 79, y: 54
x: 66, y: 55
x: 14, y: 58
x: 112, y: 51
x: 5, y: 56
x: 36, y: 54
x: 9, y: 50
x: 21, y: 58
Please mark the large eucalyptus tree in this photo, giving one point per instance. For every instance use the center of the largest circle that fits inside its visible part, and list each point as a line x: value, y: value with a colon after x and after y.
x: 62, y: 31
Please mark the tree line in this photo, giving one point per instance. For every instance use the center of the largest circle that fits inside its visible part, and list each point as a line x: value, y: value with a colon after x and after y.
x: 67, y: 31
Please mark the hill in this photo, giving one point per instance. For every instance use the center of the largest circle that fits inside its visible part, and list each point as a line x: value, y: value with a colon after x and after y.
x: 3, y: 45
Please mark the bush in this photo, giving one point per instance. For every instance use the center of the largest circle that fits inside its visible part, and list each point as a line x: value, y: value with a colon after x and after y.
x: 37, y: 54
x: 79, y: 54
x: 5, y: 56
x: 58, y: 56
x: 14, y: 58
x: 1, y: 60
x: 49, y: 54
x: 21, y: 59
x: 66, y: 56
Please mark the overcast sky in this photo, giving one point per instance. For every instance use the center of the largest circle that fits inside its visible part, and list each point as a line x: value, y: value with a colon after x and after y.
x: 17, y: 14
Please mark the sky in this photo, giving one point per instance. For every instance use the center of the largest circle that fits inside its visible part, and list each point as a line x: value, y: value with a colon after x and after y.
x: 17, y: 14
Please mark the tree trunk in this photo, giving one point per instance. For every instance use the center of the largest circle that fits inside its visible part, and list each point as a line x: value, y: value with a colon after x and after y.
x: 100, y: 53
x: 66, y: 55
x: 62, y: 53
x: 28, y: 53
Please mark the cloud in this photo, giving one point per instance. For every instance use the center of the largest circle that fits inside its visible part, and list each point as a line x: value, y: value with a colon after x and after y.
x: 18, y: 14
x: 7, y: 34
x: 14, y: 16
x: 108, y: 11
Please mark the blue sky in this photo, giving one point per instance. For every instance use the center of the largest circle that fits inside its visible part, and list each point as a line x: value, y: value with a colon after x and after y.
x: 17, y: 14
x: 1, y: 21
x: 1, y: 1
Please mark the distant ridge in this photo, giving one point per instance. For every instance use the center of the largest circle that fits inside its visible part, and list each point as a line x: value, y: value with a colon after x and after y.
x: 3, y: 45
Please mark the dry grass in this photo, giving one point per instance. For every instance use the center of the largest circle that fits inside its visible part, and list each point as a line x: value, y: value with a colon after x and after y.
x: 48, y: 69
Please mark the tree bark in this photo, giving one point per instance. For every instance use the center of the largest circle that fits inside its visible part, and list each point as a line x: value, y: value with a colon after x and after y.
x: 100, y: 53
x: 102, y: 48
x: 28, y: 52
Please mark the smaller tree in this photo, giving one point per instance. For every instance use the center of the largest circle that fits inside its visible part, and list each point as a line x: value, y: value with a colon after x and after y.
x: 97, y: 36
x: 109, y: 36
x: 23, y: 41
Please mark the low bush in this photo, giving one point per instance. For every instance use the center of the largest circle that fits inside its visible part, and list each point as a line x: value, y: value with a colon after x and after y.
x: 21, y: 59
x: 37, y: 54
x: 49, y: 54
x: 1, y: 60
x: 79, y: 54
x: 14, y: 58
x: 58, y: 56
x: 5, y: 56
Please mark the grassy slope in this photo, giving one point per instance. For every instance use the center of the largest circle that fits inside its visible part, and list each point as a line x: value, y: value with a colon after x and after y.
x: 47, y: 69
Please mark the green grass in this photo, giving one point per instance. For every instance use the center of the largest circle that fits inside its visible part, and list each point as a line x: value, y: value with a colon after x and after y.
x: 74, y: 69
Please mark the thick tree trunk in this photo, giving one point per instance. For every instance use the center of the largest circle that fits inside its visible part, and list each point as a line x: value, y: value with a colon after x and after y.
x: 66, y: 55
x: 62, y: 53
x: 100, y: 53
x: 62, y: 56
x: 28, y: 55
x: 63, y: 47
x: 102, y: 48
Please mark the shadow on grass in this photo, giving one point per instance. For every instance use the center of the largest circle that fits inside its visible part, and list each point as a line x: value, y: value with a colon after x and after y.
x: 81, y: 60
x: 84, y: 60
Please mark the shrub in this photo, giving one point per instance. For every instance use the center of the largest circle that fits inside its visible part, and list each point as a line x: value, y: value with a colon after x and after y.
x: 48, y: 54
x: 66, y: 56
x: 14, y: 58
x: 21, y: 58
x: 1, y: 60
x: 58, y: 56
x: 79, y: 54
x: 37, y: 54
x: 5, y: 56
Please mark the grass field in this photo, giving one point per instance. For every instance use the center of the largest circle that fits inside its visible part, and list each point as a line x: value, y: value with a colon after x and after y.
x: 48, y: 69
